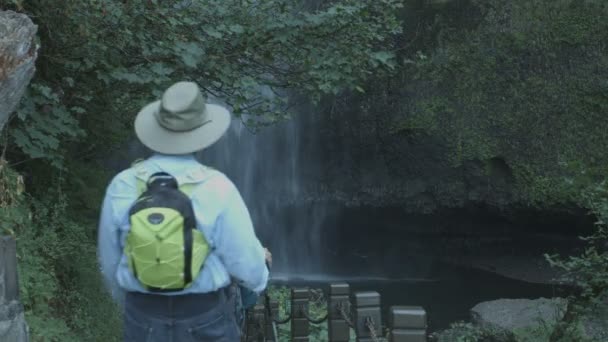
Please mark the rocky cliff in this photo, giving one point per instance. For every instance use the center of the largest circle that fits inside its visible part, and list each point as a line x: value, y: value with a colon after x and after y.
x: 18, y: 52
x: 490, y: 111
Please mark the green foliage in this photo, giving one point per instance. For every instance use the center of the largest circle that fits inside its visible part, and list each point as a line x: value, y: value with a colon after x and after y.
x: 523, y: 81
x: 589, y: 271
x: 13, y: 212
x: 60, y: 285
x: 572, y: 331
x: 539, y: 333
x: 283, y: 296
x: 44, y: 124
x: 101, y: 60
x: 467, y: 332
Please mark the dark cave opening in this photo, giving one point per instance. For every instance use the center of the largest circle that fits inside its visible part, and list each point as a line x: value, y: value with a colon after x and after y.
x: 446, y: 262
x: 392, y: 243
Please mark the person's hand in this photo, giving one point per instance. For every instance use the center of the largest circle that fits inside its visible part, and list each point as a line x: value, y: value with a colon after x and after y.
x: 268, y: 257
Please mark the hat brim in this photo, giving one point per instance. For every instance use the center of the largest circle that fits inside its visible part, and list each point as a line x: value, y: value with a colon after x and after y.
x: 162, y: 140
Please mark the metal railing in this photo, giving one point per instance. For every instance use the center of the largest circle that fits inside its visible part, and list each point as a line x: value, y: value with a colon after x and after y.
x: 359, y: 311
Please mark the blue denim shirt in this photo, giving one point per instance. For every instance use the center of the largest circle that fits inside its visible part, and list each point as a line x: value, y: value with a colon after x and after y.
x: 220, y: 213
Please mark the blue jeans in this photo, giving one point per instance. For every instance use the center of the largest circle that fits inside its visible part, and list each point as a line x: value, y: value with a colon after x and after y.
x: 184, y: 318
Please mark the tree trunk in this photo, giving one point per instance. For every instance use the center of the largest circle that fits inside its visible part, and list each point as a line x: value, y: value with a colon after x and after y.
x: 18, y: 52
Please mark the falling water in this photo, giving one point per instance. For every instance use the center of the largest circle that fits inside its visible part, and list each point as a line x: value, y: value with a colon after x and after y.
x: 267, y: 169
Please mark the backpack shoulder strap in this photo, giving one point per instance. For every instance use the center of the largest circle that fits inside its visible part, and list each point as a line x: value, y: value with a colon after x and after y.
x: 141, y: 176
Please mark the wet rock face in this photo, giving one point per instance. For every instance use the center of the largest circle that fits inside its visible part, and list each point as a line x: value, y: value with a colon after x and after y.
x: 354, y: 158
x: 12, y: 320
x: 9, y: 287
x: 18, y: 53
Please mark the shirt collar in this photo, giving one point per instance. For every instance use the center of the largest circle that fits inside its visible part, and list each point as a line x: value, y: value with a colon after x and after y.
x: 170, y: 157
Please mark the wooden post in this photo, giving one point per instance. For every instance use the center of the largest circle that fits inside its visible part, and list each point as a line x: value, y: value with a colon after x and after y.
x: 274, y: 308
x: 299, y: 307
x: 408, y: 324
x: 256, y: 324
x: 367, y: 306
x: 338, y: 329
x: 250, y: 326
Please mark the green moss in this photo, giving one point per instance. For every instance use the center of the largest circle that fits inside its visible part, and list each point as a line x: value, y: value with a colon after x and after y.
x: 425, y: 119
x: 526, y: 85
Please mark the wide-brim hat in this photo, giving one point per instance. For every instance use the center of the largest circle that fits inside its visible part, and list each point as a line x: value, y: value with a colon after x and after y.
x: 181, y: 122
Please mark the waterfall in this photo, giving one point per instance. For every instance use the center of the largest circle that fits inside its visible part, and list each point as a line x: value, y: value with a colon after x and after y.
x: 267, y: 168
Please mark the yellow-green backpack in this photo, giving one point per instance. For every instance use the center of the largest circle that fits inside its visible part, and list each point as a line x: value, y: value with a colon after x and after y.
x: 164, y: 249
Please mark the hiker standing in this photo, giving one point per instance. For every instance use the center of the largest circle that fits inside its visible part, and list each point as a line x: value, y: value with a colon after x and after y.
x: 174, y: 233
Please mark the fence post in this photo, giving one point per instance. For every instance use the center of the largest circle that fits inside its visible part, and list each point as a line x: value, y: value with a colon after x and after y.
x: 250, y: 326
x: 299, y: 308
x: 408, y: 324
x: 256, y: 324
x: 367, y: 306
x: 338, y: 329
x: 274, y: 308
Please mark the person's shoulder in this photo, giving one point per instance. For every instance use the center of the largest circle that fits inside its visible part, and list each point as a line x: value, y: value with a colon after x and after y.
x: 216, y: 182
x: 214, y: 177
x: 124, y: 180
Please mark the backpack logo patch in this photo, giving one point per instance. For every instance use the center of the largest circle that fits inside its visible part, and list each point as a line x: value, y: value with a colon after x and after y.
x: 156, y: 218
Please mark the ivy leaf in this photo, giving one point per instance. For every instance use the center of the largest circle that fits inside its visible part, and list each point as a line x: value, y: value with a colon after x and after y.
x: 21, y: 139
x: 236, y: 28
x: 189, y: 60
x: 78, y: 110
x: 161, y: 69
x: 214, y: 33
x: 383, y: 56
x: 190, y: 53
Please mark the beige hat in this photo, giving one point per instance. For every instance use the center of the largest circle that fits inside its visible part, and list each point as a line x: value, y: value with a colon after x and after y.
x: 181, y: 122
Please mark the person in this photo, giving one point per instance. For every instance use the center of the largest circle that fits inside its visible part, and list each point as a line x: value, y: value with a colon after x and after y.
x: 184, y: 296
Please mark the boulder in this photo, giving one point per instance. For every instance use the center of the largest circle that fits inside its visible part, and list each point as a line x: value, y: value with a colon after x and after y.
x: 18, y: 52
x: 520, y: 317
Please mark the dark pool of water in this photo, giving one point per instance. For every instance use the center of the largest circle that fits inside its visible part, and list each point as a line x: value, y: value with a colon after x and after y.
x: 447, y: 298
